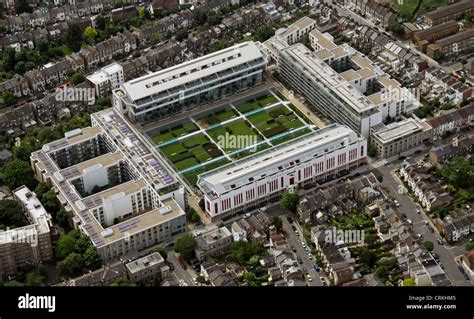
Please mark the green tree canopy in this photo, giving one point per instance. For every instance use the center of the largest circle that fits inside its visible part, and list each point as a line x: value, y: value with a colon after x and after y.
x: 11, y: 214
x: 72, y: 265
x: 289, y: 200
x: 17, y: 173
x: 428, y: 245
x: 242, y: 251
x: 185, y: 246
x: 459, y: 172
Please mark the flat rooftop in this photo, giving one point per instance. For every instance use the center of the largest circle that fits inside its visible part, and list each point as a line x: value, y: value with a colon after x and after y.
x: 135, y: 224
x: 207, y: 239
x: 144, y: 263
x: 72, y: 137
x: 398, y: 130
x: 322, y: 40
x: 334, y: 81
x: 191, y: 71
x: 317, y: 142
x: 81, y: 168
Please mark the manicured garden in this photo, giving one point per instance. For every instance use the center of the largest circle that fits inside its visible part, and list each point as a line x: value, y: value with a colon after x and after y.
x: 190, y: 151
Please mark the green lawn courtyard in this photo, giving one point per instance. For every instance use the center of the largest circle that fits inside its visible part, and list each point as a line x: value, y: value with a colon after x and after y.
x: 204, y: 143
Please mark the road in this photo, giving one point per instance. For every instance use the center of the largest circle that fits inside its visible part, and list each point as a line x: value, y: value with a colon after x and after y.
x: 407, y: 206
x: 294, y: 240
x: 179, y: 273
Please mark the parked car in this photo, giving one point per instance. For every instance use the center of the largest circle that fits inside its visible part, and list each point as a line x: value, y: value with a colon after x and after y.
x: 300, y: 261
x: 431, y: 229
x: 396, y: 203
x: 440, y: 241
x: 401, y: 158
x: 246, y: 215
x: 316, y: 267
x: 466, y: 276
x: 417, y: 151
x: 293, y: 249
x: 290, y: 220
x: 418, y: 211
x: 305, y: 271
x: 309, y: 277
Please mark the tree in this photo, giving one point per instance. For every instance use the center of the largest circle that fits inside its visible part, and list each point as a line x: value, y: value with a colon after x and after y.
x: 428, y: 245
x: 82, y: 244
x: 409, y: 282
x: 35, y: 278
x: 90, y: 33
x: 65, y: 246
x: 50, y: 202
x: 118, y: 3
x: 11, y: 214
x: 470, y: 246
x: 372, y: 151
x: 289, y: 200
x: 22, y: 6
x: 277, y: 222
x: 396, y: 28
x: 17, y: 173
x: 92, y: 258
x: 185, y: 246
x: 62, y: 217
x: 368, y: 257
x: 157, y: 281
x: 8, y: 98
x: 242, y: 251
x: 41, y: 189
x: 71, y: 265
x: 181, y: 35
x: 73, y: 34
x: 200, y: 279
x: 121, y: 282
x: 77, y: 78
x: 459, y: 172
x: 13, y: 283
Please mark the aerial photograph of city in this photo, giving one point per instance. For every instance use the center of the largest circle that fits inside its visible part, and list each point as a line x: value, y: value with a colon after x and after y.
x: 236, y: 143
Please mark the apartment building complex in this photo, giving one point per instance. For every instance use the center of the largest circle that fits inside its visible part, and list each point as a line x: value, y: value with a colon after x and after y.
x: 192, y: 83
x: 343, y: 84
x: 106, y: 79
x: 395, y: 138
x: 26, y: 246
x: 262, y: 177
x: 454, y: 11
x: 285, y: 37
x: 113, y: 185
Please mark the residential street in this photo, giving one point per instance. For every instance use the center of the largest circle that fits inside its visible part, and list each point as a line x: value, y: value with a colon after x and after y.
x: 447, y: 254
x: 295, y: 241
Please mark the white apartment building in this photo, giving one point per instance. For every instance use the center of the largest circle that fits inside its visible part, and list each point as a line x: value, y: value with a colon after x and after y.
x: 113, y: 184
x: 343, y: 84
x: 106, y: 79
x: 262, y: 177
x: 190, y: 84
x: 285, y: 37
